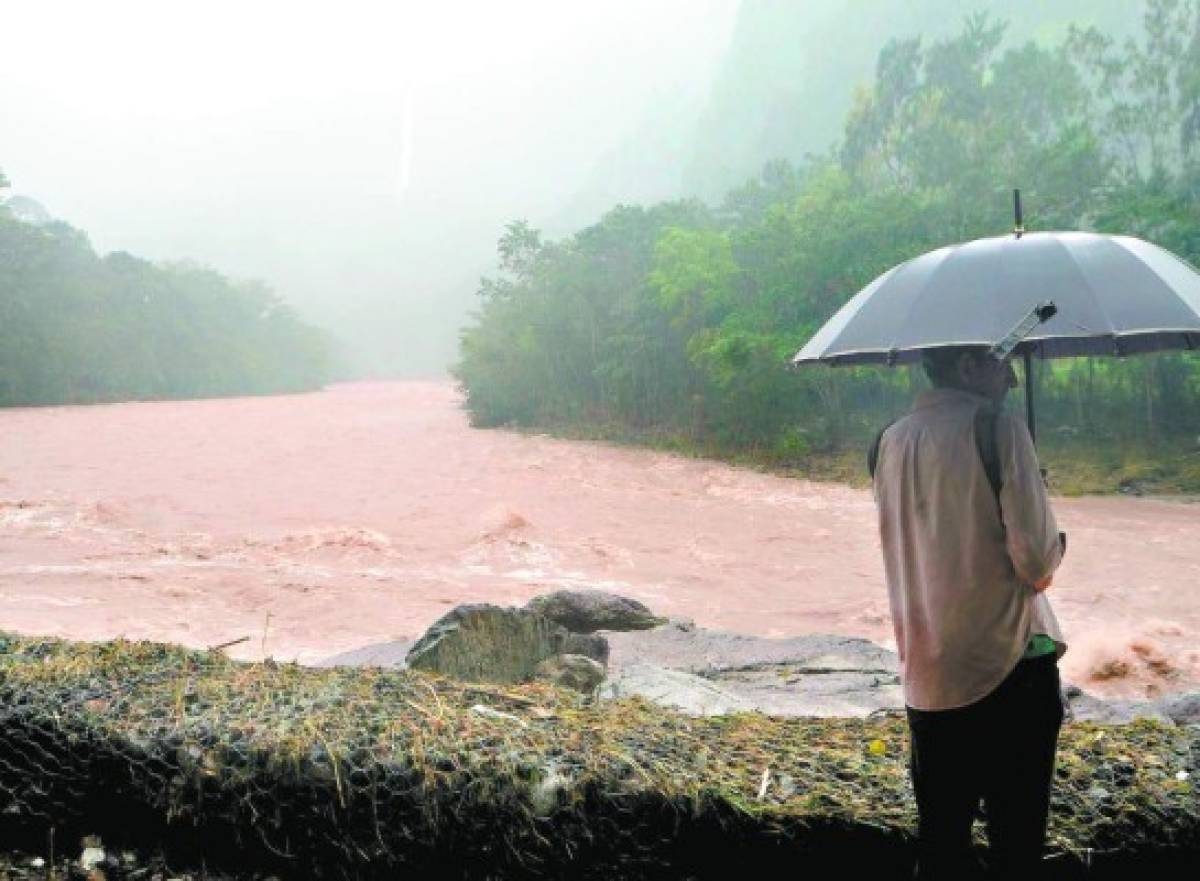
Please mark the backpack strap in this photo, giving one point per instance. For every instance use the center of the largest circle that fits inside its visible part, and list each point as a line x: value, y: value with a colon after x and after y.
x: 985, y: 443
x: 989, y: 451
x: 873, y: 450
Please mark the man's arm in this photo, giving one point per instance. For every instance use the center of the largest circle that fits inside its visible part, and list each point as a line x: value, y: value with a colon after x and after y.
x: 1031, y: 532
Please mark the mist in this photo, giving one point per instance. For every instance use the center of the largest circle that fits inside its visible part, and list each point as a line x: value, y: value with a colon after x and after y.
x: 361, y: 159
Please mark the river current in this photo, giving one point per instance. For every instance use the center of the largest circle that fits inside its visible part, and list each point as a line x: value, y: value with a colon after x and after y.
x: 308, y: 525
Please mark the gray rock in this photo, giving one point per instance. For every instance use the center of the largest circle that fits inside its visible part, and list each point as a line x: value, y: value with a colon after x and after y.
x: 1089, y: 708
x: 1183, y: 709
x: 571, y: 671
x: 590, y: 645
x: 586, y: 611
x: 794, y: 690
x: 685, y: 692
x: 683, y: 646
x: 486, y: 643
x: 712, y: 671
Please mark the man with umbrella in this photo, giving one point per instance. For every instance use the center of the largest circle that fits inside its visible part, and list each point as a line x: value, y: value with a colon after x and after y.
x: 967, y: 562
x: 969, y: 541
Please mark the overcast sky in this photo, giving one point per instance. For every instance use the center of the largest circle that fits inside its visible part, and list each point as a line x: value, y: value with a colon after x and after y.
x: 360, y: 157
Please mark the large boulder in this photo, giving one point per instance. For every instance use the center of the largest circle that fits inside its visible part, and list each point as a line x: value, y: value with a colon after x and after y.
x: 486, y: 643
x: 586, y: 611
x: 571, y: 671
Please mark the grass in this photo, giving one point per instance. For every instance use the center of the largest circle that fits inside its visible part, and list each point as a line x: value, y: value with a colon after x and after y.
x: 367, y: 768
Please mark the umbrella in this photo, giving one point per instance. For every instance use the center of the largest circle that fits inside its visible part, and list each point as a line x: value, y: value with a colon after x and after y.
x: 1113, y: 295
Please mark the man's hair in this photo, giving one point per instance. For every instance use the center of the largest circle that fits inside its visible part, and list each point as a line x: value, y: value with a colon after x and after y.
x: 941, y: 365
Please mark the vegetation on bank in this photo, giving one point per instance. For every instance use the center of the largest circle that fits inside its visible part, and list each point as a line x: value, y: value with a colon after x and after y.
x: 77, y: 327
x: 674, y: 321
x: 363, y: 773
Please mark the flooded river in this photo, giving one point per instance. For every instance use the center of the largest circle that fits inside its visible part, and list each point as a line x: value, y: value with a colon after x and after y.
x: 314, y: 524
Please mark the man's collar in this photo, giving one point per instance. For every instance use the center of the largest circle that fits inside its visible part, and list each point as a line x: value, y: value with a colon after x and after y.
x: 937, y: 397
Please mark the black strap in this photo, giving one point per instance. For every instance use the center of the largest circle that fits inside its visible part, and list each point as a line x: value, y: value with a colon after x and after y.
x: 989, y: 451
x: 985, y: 443
x: 873, y: 450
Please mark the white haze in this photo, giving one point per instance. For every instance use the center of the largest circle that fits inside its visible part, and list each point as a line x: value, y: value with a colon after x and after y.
x: 360, y: 157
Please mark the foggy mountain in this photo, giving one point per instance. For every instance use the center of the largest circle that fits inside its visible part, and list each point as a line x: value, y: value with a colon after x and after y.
x: 364, y: 163
x: 787, y: 82
x: 783, y: 89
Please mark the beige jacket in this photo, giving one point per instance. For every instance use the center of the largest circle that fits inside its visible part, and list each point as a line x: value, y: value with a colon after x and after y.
x: 960, y: 568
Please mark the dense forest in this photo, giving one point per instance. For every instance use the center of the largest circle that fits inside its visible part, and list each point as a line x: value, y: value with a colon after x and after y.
x: 675, y: 321
x: 76, y: 327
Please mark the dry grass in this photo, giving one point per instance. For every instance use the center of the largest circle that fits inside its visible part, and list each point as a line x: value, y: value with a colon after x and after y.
x: 377, y: 763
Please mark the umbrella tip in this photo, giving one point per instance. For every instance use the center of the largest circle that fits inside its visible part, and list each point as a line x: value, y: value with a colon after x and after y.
x: 1018, y: 221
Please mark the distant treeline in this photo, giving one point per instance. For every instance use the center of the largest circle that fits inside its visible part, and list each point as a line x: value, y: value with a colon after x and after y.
x: 77, y: 328
x: 676, y: 320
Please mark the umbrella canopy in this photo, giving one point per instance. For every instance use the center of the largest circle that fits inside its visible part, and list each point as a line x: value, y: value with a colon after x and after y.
x: 1116, y: 295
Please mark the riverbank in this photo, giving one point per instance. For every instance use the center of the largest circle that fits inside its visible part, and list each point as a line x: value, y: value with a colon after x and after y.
x: 365, y: 773
x: 1076, y: 466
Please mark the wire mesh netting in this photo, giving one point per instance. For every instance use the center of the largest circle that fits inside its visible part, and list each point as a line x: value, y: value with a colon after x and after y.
x: 359, y: 773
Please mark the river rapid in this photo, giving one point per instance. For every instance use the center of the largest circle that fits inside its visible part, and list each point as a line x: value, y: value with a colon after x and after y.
x: 314, y: 524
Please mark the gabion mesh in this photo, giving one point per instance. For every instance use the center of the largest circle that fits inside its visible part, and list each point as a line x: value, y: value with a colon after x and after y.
x: 359, y: 773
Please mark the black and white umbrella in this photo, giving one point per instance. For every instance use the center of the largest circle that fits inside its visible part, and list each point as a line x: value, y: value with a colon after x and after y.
x: 1109, y: 295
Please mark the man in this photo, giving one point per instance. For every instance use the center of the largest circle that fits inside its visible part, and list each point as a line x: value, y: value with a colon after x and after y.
x: 968, y: 556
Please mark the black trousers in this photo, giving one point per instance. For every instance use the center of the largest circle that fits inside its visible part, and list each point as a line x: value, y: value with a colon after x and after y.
x: 998, y: 751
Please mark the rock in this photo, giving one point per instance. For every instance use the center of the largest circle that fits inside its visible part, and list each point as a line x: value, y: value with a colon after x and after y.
x: 1183, y: 709
x: 586, y: 611
x: 794, y: 690
x: 1089, y: 708
x: 673, y: 688
x: 698, y: 650
x: 486, y: 643
x: 578, y: 672
x: 816, y: 675
x: 590, y: 645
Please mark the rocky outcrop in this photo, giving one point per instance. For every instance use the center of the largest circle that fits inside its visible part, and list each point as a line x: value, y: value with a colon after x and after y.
x: 681, y: 645
x: 586, y: 611
x: 1183, y: 709
x: 485, y: 642
x: 590, y: 645
x: 705, y: 672
x: 685, y: 692
x: 709, y: 672
x: 492, y: 644
x: 576, y: 672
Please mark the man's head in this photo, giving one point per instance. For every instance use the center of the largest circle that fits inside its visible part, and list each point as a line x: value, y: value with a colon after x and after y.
x: 970, y: 368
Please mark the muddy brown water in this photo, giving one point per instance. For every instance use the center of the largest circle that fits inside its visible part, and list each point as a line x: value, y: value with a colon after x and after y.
x: 314, y: 524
